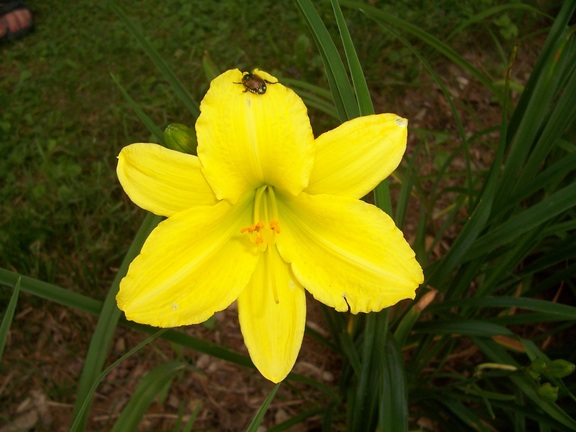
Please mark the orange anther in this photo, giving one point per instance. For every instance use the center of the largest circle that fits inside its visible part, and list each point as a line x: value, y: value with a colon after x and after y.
x: 275, y: 226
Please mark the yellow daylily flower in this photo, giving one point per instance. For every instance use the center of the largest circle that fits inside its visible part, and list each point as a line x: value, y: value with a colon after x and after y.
x: 263, y: 213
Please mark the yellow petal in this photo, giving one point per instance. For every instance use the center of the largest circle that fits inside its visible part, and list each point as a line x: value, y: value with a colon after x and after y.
x: 246, y: 140
x: 347, y: 253
x: 162, y: 181
x: 272, y: 313
x: 353, y: 158
x: 193, y: 264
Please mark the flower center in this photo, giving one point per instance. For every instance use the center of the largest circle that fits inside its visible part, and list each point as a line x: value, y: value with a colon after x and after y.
x: 265, y: 219
x: 263, y: 231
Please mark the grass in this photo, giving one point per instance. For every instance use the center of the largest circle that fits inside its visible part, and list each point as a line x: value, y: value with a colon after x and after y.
x: 63, y: 120
x: 65, y: 219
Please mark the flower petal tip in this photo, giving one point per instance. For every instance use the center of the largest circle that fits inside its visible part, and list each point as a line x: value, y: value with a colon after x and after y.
x: 402, y: 122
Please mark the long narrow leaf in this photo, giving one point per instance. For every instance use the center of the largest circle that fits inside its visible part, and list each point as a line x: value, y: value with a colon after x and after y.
x: 192, y: 419
x: 50, y: 292
x: 142, y: 116
x: 549, y: 50
x: 83, y: 408
x: 8, y: 315
x: 181, y: 91
x: 393, y: 413
x: 342, y: 91
x: 467, y: 416
x: 560, y: 311
x: 495, y: 10
x: 358, y: 80
x: 100, y: 343
x: 532, y: 111
x: 464, y: 327
x: 562, y: 115
x: 525, y: 221
x: 455, y: 113
x: 386, y: 18
x: 553, y: 173
x: 255, y: 423
x: 364, y: 406
x: 150, y: 386
x: 479, y: 218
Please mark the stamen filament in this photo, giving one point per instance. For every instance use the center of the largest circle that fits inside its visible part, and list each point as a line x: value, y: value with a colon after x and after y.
x: 258, y: 204
x: 271, y: 276
x: 265, y: 212
x: 273, y: 204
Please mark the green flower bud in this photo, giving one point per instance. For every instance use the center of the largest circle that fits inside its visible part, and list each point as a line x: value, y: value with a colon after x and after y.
x: 548, y: 392
x: 559, y: 368
x: 551, y: 369
x: 180, y: 138
x: 537, y: 368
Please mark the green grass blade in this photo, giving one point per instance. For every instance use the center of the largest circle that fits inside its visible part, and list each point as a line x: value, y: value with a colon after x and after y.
x: 411, y: 317
x: 296, y: 419
x: 440, y: 272
x: 151, y: 385
x: 83, y: 408
x: 463, y: 327
x: 524, y: 222
x: 181, y: 91
x: 298, y: 85
x: 358, y: 80
x: 525, y: 319
x: 549, y: 50
x: 8, y: 316
x: 522, y: 411
x: 382, y: 197
x: 508, y: 263
x: 313, y: 96
x: 552, y: 174
x: 350, y: 352
x: 142, y: 116
x: 562, y: 115
x: 450, y: 100
x: 467, y: 416
x: 408, y: 183
x: 343, y: 93
x: 383, y: 17
x: 393, y: 412
x: 495, y: 10
x: 255, y: 423
x: 109, y: 316
x: 194, y: 343
x: 560, y: 312
x: 211, y: 71
x: 533, y: 110
x: 560, y: 252
x: 192, y: 419
x: 50, y: 292
x: 364, y: 405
